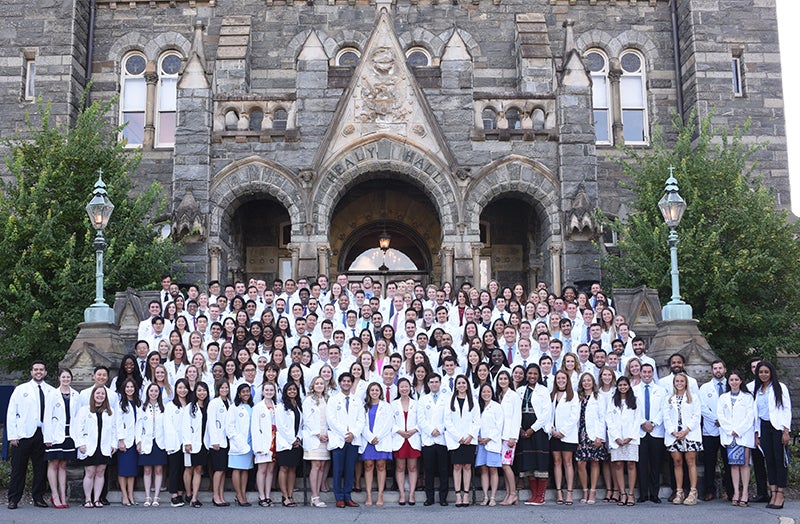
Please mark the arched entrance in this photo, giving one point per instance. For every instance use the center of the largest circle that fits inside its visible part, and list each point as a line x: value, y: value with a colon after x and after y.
x: 385, y: 204
x: 512, y: 236
x: 260, y: 229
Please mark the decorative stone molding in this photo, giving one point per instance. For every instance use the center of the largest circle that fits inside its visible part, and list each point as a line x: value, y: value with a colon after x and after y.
x: 188, y: 224
x: 535, y: 117
x: 241, y: 112
x: 133, y: 4
x: 580, y: 220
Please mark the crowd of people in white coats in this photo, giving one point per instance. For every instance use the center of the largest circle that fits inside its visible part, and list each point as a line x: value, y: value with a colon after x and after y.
x: 430, y: 382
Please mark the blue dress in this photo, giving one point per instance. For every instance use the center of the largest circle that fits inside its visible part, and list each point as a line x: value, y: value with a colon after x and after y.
x: 244, y: 461
x: 371, y: 453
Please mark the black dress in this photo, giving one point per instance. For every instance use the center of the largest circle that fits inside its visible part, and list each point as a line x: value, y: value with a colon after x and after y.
x: 533, y: 453
x: 201, y: 457
x: 63, y: 450
x: 97, y: 459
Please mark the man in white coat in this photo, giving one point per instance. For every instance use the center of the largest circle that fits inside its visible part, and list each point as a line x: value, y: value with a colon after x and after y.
x: 651, y: 397
x: 430, y: 418
x: 345, y: 423
x: 24, y: 422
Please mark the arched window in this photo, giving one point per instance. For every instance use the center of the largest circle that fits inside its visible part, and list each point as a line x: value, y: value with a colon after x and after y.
x: 601, y: 95
x: 348, y: 57
x: 418, y: 57
x: 256, y: 118
x: 168, y: 66
x: 513, y: 116
x: 279, y: 120
x: 537, y: 116
x: 231, y: 121
x: 133, y: 98
x: 489, y: 118
x: 633, y: 98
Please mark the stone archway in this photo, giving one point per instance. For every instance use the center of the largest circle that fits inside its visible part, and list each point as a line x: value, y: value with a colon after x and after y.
x: 374, y: 159
x: 248, y: 180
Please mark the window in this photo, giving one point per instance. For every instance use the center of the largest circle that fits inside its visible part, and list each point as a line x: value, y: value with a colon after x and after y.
x: 168, y: 68
x: 489, y: 118
x: 256, y: 118
x: 418, y: 57
x: 633, y: 98
x: 134, y: 99
x: 513, y: 118
x: 610, y: 232
x: 348, y: 57
x: 601, y: 95
x: 738, y: 77
x: 29, y: 78
x: 279, y: 120
x: 537, y: 116
x: 231, y: 121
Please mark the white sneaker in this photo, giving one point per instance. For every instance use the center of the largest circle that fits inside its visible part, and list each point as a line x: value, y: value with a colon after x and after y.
x: 317, y: 503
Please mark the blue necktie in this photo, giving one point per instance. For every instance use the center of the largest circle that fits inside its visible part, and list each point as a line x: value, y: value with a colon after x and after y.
x: 720, y: 391
x: 647, y: 401
x: 347, y: 404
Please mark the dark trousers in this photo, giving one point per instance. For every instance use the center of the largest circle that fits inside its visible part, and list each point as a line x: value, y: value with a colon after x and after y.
x: 777, y: 472
x: 175, y: 472
x: 344, y: 470
x: 29, y: 449
x: 436, y: 462
x: 651, y: 453
x: 712, y: 448
x: 760, y: 471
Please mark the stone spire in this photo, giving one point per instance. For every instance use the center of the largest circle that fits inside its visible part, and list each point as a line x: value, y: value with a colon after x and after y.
x: 573, y: 71
x: 193, y: 75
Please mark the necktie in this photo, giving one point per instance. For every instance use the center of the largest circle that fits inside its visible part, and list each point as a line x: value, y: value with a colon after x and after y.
x: 524, y: 363
x: 587, y: 334
x: 545, y: 380
x: 347, y: 404
x: 502, y: 317
x: 394, y: 322
x: 435, y: 398
x: 555, y: 366
x: 353, y: 331
x: 388, y: 395
x: 141, y: 366
x: 41, y: 404
x: 391, y: 308
x: 451, y: 383
x: 510, y: 354
x: 344, y: 318
x: 252, y: 392
x: 647, y: 402
x: 720, y: 391
x: 166, y: 297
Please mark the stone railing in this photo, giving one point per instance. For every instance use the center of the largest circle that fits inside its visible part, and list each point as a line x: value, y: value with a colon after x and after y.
x: 515, y: 117
x: 257, y: 117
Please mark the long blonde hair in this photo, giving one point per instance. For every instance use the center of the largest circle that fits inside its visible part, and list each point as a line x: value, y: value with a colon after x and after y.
x: 687, y: 393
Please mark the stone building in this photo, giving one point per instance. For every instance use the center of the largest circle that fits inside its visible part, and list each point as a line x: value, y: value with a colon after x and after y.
x: 480, y: 134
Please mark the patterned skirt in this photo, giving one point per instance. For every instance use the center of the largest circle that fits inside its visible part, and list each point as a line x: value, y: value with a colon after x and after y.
x: 683, y: 445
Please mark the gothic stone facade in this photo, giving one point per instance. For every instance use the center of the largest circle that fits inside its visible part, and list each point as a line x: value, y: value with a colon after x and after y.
x: 466, y: 128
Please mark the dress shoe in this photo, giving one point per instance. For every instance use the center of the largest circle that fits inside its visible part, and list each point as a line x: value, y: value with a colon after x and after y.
x: 41, y: 504
x: 12, y: 505
x: 340, y: 504
x: 351, y: 503
x: 428, y: 503
x: 444, y: 503
x: 642, y: 499
x: 708, y: 497
x: 104, y: 501
x: 655, y: 499
x: 761, y: 499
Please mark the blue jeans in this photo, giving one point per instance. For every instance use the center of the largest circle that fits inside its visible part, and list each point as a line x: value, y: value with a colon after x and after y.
x: 344, y: 467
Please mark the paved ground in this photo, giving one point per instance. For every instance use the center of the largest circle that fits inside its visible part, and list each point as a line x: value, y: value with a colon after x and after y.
x: 715, y: 512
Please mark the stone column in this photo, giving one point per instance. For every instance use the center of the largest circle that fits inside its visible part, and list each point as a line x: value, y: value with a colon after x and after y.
x: 476, y: 264
x: 151, y: 78
x: 555, y: 264
x: 447, y: 263
x: 323, y: 258
x: 614, y: 74
x: 294, y: 249
x: 215, y: 255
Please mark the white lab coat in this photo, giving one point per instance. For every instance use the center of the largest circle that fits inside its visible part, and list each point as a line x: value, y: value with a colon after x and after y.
x: 780, y: 418
x: 512, y: 415
x: 192, y: 432
x: 215, y: 425
x: 657, y: 397
x: 237, y: 428
x: 313, y: 424
x: 565, y: 418
x: 342, y: 420
x: 460, y: 422
x: 285, y: 434
x: 595, y: 425
x: 430, y: 416
x: 55, y: 416
x: 150, y: 427
x: 690, y: 418
x: 736, y: 417
x: 22, y: 417
x: 542, y: 406
x: 490, y: 425
x: 382, y: 429
x: 173, y: 428
x: 125, y: 423
x: 401, y: 424
x: 86, y: 434
x: 261, y: 430
x: 623, y: 423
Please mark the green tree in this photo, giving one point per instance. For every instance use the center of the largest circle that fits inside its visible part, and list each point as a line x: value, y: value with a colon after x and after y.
x: 739, y: 256
x: 46, y: 254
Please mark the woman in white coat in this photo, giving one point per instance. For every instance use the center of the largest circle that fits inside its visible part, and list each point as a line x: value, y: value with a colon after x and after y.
x: 490, y: 437
x: 288, y: 440
x: 125, y: 423
x: 682, y: 436
x: 262, y: 434
x: 315, y: 436
x: 376, y: 442
x: 173, y: 444
x: 735, y: 412
x: 60, y: 415
x: 218, y: 451
x: 240, y: 451
x: 406, y: 441
x: 623, y: 421
x: 151, y: 442
x: 95, y: 438
x: 461, y: 423
x: 512, y: 422
x: 773, y: 420
x: 196, y: 441
x: 591, y: 437
x: 564, y: 433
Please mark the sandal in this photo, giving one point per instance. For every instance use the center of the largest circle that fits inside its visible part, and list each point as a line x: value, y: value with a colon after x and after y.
x: 98, y: 504
x: 630, y: 500
x: 592, y: 497
x: 559, y: 497
x: 622, y: 502
x: 734, y: 502
x: 492, y: 502
x: 146, y: 502
x: 484, y: 502
x: 155, y: 502
x: 568, y: 502
x: 743, y: 504
x: 88, y: 504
